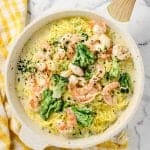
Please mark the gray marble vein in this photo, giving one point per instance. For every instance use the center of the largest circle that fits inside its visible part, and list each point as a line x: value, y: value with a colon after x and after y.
x: 144, y: 43
x: 147, y: 2
x: 139, y: 138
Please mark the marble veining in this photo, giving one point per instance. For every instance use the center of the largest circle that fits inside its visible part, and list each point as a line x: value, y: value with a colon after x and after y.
x: 147, y: 2
x: 139, y: 28
x: 143, y: 43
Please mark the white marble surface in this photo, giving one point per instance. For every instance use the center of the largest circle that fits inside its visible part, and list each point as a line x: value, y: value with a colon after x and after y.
x: 139, y: 27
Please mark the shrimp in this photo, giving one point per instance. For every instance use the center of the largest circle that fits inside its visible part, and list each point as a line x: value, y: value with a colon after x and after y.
x: 44, y: 53
x: 36, y: 84
x: 66, y: 73
x: 84, y: 97
x: 41, y: 66
x: 92, y: 42
x: 71, y: 46
x: 71, y: 121
x: 87, y: 92
x: 33, y: 99
x: 42, y: 80
x: 98, y: 27
x: 69, y: 40
x: 99, y: 43
x: 45, y: 46
x: 105, y: 55
x: 76, y: 70
x: 106, y: 92
x: 81, y: 81
x: 70, y: 52
x: 65, y: 39
x: 60, y: 54
x: 73, y: 80
x: 34, y: 104
x: 120, y: 52
x: 43, y: 63
x: 100, y: 71
x: 41, y: 55
x: 105, y: 42
x: 51, y: 66
x: 83, y: 94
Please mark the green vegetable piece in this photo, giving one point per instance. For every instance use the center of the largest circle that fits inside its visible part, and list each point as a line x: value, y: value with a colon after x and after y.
x: 88, y: 73
x: 66, y: 104
x: 49, y: 104
x: 83, y: 57
x: 59, y: 85
x: 125, y: 83
x: 58, y: 105
x: 84, y: 116
x: 47, y: 100
x: 115, y: 70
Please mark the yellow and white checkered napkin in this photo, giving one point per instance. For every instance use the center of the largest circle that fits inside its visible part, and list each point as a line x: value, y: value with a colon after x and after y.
x: 12, y: 21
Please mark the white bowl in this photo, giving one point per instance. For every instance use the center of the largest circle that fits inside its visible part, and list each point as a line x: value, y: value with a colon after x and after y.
x: 30, y: 131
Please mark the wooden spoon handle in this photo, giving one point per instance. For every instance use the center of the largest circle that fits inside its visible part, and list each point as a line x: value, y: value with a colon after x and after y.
x: 121, y: 10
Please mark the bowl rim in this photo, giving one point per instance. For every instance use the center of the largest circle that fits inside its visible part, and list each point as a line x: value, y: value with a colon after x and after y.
x: 102, y: 136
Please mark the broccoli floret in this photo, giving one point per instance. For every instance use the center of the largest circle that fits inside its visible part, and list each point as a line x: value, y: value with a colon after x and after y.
x: 49, y: 104
x: 84, y: 116
x: 88, y: 73
x: 125, y: 83
x: 83, y: 57
x: 59, y: 85
x: 115, y: 70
